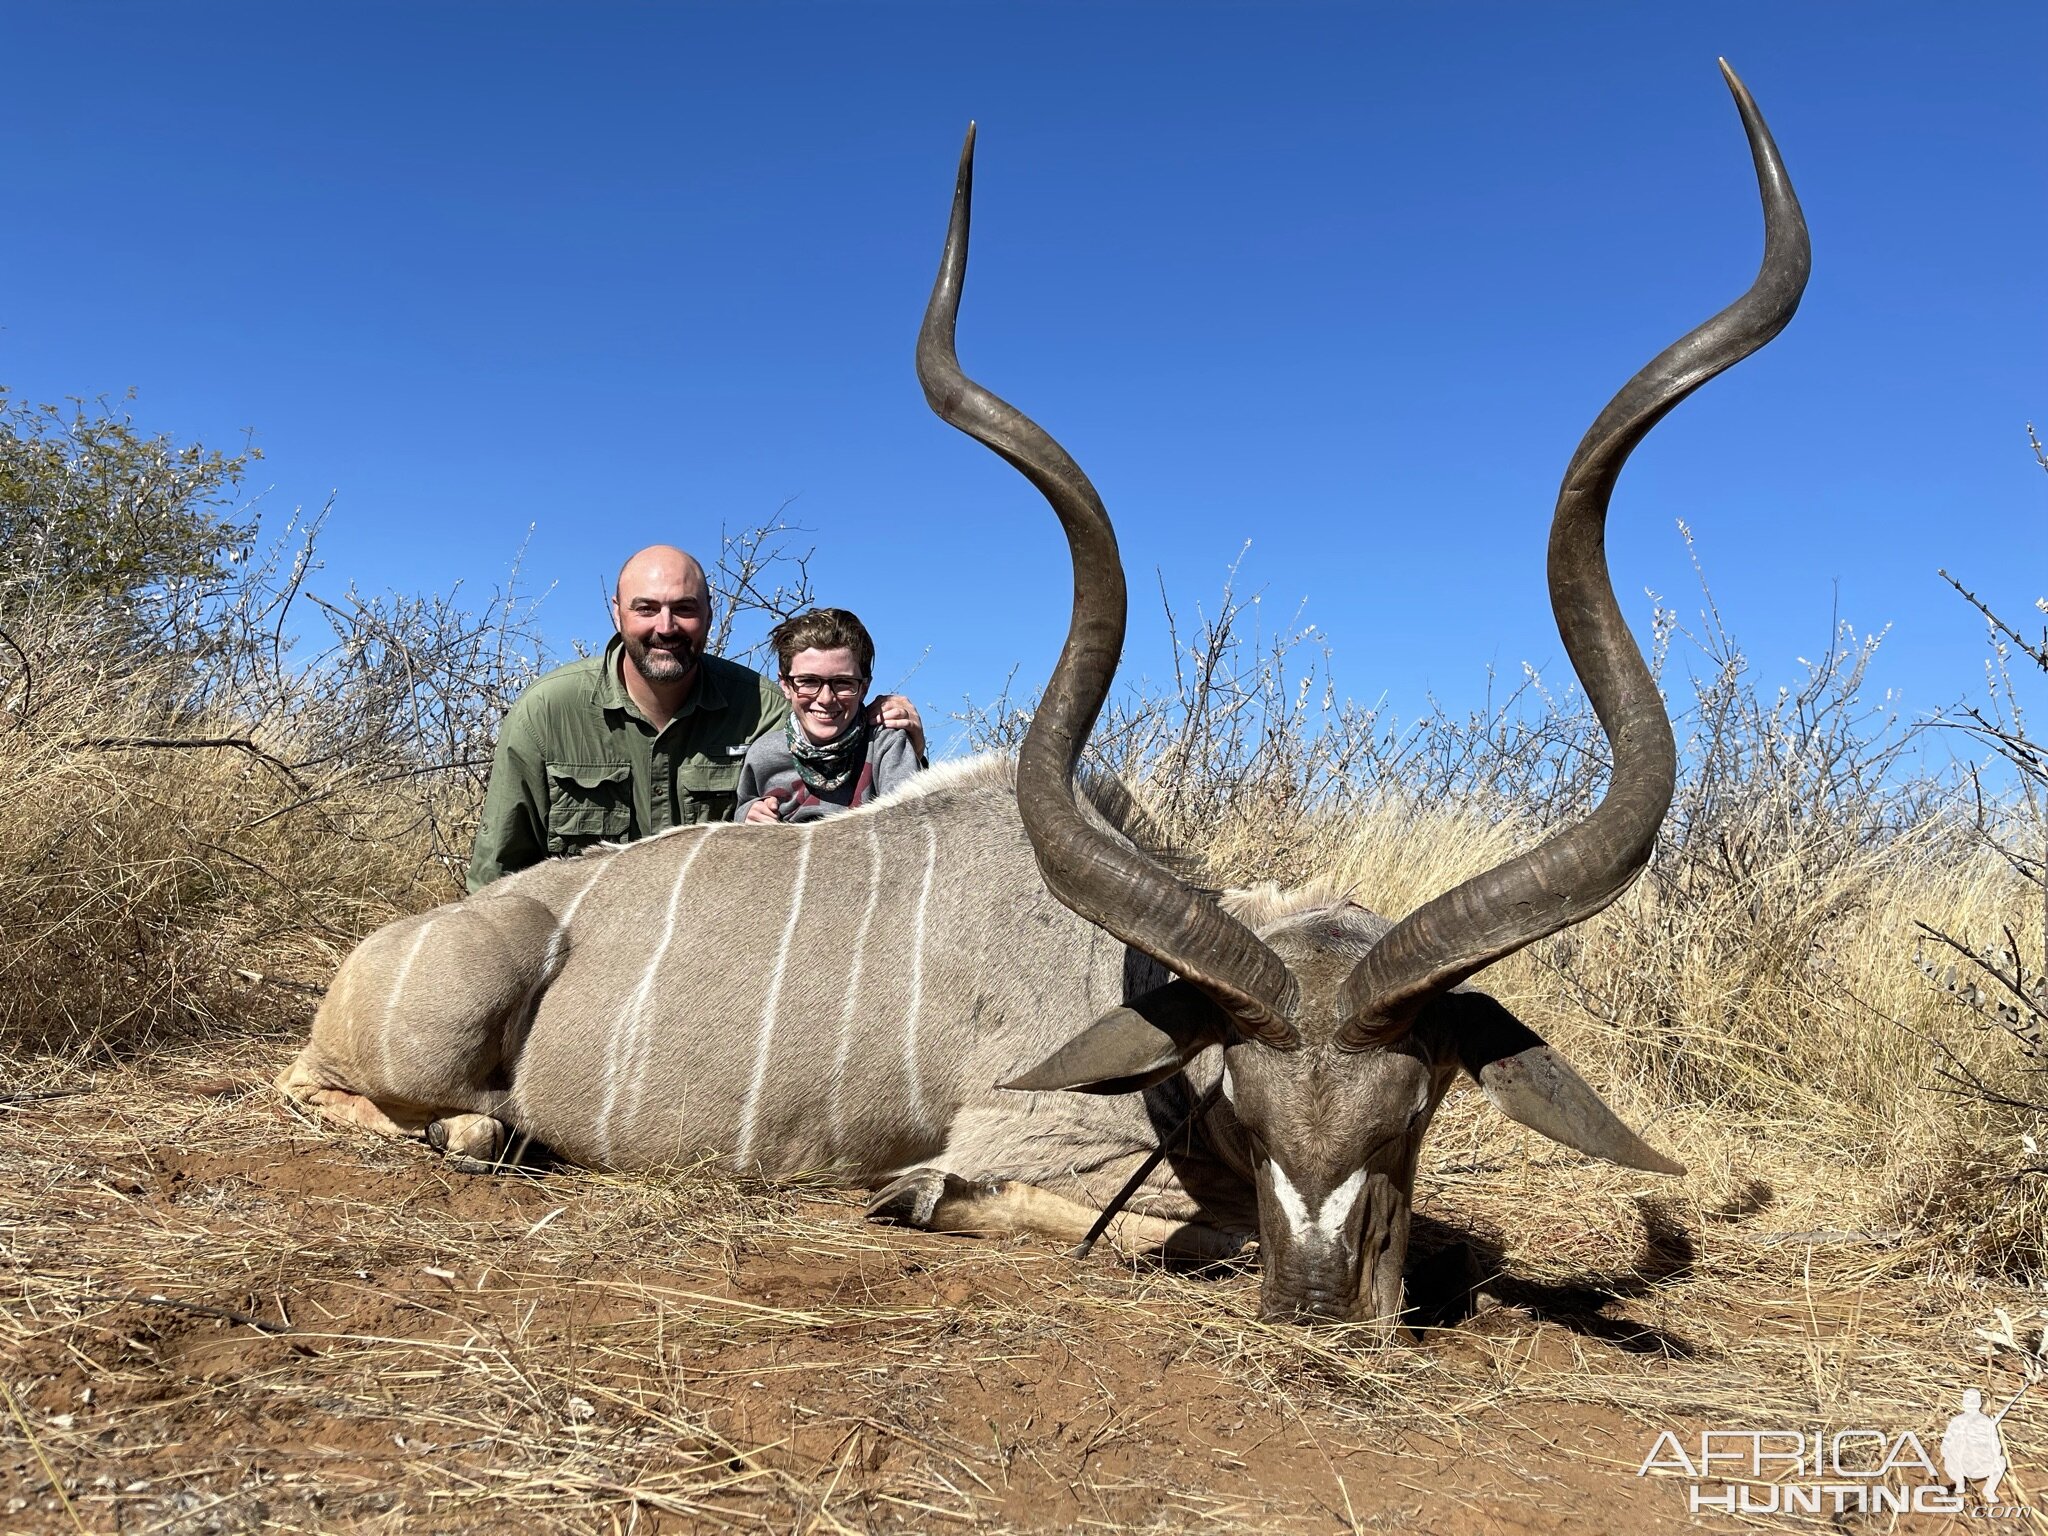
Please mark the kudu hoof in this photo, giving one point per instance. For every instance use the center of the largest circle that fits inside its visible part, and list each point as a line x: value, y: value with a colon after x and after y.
x: 470, y: 1143
x: 910, y: 1201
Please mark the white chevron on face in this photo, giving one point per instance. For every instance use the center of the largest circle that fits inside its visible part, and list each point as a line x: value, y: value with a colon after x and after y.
x: 1324, y: 1224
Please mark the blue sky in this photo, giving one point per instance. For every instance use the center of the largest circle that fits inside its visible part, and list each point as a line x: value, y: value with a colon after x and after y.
x: 1344, y: 281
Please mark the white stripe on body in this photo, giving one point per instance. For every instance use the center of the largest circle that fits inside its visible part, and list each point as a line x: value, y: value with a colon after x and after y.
x: 569, y: 912
x: 627, y: 1044
x: 910, y: 1023
x: 550, y: 961
x: 551, y: 958
x: 1327, y: 1223
x: 847, y: 1006
x: 764, y: 1040
x: 391, y: 1006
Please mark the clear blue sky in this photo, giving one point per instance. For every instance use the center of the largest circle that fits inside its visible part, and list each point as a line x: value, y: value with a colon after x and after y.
x: 1345, y: 281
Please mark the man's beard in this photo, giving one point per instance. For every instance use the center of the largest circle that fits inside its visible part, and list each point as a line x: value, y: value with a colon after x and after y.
x: 669, y: 664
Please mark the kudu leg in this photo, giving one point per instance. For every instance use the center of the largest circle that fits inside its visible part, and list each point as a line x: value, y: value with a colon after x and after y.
x: 937, y: 1201
x: 396, y: 1055
x: 471, y: 1143
x: 302, y: 1083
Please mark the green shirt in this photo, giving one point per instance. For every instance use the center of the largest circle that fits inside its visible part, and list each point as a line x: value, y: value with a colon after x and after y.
x: 578, y: 762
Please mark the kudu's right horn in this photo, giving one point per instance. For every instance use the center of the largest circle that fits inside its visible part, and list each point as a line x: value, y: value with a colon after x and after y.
x: 1575, y: 873
x: 1105, y: 880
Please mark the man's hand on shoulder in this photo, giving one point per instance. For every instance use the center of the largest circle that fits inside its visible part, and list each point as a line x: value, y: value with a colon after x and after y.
x: 898, y: 714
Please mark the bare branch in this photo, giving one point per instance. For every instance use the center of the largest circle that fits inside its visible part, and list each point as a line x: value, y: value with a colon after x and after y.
x: 2036, y: 651
x: 759, y: 578
x: 174, y: 743
x: 28, y: 679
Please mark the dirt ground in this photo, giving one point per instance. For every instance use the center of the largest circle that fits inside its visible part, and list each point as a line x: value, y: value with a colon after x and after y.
x: 216, y: 1316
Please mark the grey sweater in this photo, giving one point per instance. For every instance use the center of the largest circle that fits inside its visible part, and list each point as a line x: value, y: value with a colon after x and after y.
x: 768, y: 770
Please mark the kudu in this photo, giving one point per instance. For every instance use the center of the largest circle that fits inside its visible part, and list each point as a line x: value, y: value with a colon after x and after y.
x: 841, y: 998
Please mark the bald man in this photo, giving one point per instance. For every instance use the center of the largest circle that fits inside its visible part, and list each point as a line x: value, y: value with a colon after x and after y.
x: 650, y: 735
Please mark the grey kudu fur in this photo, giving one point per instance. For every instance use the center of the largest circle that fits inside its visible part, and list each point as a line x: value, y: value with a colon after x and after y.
x: 844, y: 998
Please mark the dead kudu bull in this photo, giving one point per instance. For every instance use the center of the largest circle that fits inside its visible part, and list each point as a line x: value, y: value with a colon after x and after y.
x: 843, y: 998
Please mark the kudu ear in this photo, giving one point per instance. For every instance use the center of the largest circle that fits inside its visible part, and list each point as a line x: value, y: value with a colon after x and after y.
x: 1144, y: 1042
x: 1533, y: 1085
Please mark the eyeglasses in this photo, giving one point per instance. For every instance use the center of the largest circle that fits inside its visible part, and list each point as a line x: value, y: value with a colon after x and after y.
x: 808, y: 687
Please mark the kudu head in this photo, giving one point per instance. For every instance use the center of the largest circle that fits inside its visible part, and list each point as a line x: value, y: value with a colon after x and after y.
x: 1341, y: 1032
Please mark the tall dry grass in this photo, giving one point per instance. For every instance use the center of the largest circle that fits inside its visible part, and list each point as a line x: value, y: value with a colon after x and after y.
x: 169, y: 873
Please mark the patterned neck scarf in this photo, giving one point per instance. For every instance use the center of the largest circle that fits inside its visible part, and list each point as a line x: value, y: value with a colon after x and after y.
x: 826, y: 765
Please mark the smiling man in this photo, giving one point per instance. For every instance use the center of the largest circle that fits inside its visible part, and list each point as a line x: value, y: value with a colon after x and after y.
x: 650, y: 735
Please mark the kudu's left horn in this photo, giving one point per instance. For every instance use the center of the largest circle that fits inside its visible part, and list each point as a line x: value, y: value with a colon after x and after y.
x: 1575, y: 873
x: 1106, y: 881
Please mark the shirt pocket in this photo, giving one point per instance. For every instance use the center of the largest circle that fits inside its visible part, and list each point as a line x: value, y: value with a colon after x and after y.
x: 709, y: 791
x: 587, y: 803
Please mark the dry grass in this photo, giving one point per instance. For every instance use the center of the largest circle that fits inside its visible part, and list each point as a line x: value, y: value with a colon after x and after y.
x: 219, y: 1317
x: 158, y: 892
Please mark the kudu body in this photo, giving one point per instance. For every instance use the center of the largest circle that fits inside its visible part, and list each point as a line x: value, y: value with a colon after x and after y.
x: 842, y: 998
x: 832, y: 999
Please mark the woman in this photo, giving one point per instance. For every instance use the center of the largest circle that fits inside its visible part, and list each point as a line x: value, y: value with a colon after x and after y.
x: 830, y: 757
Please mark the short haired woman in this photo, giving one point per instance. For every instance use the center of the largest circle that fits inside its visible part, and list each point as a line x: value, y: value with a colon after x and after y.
x: 830, y: 758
